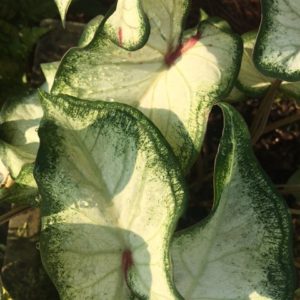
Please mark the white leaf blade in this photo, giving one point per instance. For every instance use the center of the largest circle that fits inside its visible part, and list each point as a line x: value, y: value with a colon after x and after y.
x: 166, y: 22
x: 176, y: 89
x: 277, y: 50
x: 243, y: 249
x: 128, y: 26
x: 128, y: 174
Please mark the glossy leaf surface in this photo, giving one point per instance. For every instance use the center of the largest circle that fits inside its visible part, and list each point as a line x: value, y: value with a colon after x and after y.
x: 174, y: 88
x: 112, y: 192
x: 243, y: 249
x: 254, y: 83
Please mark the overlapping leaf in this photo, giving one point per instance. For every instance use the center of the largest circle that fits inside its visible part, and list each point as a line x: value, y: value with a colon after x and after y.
x: 243, y: 249
x: 277, y: 51
x: 173, y: 83
x: 254, y: 83
x: 19, y: 120
x: 112, y: 193
x: 19, y: 142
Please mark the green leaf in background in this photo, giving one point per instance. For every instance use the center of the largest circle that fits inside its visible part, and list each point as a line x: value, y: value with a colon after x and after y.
x: 112, y: 193
x: 19, y: 141
x: 128, y: 25
x: 252, y: 82
x: 176, y: 89
x: 243, y: 249
x: 277, y: 50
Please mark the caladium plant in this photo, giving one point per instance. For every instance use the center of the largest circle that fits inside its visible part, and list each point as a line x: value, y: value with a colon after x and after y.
x: 173, y: 81
x: 123, y: 121
x: 206, y: 264
x: 102, y: 238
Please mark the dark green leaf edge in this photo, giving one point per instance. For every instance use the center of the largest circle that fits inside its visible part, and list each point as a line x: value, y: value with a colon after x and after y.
x: 259, y: 92
x: 221, y: 165
x: 268, y: 10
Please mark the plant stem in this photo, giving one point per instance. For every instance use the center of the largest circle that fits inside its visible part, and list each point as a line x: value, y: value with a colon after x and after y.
x: 280, y: 123
x: 12, y: 213
x: 261, y: 118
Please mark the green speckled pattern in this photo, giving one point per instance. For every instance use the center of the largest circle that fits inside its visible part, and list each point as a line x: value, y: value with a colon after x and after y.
x: 177, y: 98
x: 252, y: 82
x: 109, y: 183
x: 243, y: 249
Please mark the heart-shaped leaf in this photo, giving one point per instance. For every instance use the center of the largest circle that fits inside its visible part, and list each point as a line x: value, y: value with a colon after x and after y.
x: 254, y: 83
x: 175, y: 89
x: 243, y: 249
x: 111, y: 195
x: 277, y: 50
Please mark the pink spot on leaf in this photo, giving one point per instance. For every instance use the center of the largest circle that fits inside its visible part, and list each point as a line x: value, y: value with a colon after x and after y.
x: 127, y: 262
x: 120, y: 36
x: 171, y: 57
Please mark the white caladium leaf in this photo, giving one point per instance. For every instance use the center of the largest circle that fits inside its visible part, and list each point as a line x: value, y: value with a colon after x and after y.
x: 19, y: 141
x: 277, y: 50
x: 128, y: 25
x: 176, y: 89
x: 243, y: 249
x: 23, y: 190
x: 63, y: 6
x: 254, y: 83
x: 112, y: 193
